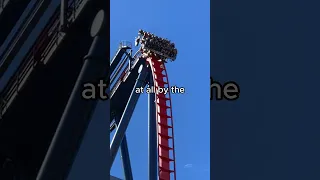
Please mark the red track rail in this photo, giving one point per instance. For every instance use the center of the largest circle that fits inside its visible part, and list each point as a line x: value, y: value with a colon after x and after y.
x: 166, y: 152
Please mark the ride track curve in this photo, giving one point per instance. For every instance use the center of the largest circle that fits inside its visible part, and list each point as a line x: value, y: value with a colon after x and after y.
x: 162, y: 114
x: 166, y: 150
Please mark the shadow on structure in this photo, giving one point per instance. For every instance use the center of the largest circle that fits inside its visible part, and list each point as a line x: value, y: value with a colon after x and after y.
x: 29, y: 124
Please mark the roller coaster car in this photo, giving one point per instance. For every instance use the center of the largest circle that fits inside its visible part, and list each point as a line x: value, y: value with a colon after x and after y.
x: 163, y: 53
x: 158, y: 46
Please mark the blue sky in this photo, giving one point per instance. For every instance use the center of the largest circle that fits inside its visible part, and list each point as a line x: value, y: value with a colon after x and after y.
x: 187, y: 24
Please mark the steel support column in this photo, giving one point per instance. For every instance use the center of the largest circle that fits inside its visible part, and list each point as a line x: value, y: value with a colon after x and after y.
x: 20, y: 36
x: 77, y: 114
x: 128, y: 111
x: 125, y: 156
x: 63, y: 14
x: 126, y: 159
x: 152, y: 133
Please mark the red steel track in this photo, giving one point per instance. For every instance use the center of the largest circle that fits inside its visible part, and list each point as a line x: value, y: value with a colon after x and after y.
x: 166, y: 152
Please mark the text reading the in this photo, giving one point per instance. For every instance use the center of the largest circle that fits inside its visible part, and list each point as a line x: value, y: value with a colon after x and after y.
x: 229, y: 90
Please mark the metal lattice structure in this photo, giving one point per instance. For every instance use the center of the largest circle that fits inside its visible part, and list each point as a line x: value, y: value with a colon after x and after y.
x: 63, y: 125
x: 149, y: 61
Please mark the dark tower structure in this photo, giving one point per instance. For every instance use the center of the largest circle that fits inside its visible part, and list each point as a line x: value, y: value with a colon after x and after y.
x: 35, y: 104
x: 42, y: 114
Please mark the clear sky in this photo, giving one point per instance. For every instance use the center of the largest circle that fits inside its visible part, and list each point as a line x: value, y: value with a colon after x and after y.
x: 187, y: 24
